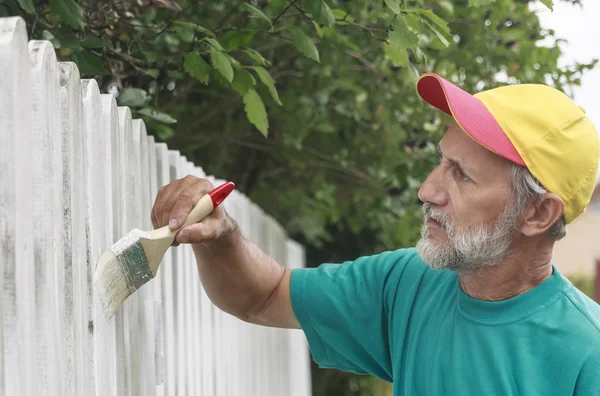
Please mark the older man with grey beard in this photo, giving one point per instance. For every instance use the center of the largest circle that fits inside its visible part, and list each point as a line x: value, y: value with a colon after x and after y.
x: 477, y: 308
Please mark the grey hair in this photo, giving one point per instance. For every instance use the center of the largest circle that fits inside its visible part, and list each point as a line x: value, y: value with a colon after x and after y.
x: 526, y: 187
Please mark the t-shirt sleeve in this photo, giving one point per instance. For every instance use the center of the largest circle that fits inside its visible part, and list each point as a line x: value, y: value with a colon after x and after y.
x: 344, y: 309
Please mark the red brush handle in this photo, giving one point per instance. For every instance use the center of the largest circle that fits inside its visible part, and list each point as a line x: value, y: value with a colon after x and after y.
x: 218, y: 194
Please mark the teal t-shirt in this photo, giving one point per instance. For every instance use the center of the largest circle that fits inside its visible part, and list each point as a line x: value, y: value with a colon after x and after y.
x: 392, y: 316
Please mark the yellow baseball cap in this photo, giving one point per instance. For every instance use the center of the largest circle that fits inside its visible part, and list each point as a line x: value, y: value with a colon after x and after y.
x: 532, y: 125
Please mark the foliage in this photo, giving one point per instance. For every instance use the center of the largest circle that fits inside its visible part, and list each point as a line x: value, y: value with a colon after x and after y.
x: 309, y: 106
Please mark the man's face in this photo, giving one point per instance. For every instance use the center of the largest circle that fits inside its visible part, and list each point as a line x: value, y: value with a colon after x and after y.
x: 469, y: 219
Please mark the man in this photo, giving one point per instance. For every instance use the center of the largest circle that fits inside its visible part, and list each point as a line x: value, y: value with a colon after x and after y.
x: 477, y: 308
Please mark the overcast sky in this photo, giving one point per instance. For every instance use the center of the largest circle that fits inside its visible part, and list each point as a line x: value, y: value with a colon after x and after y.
x: 581, y: 27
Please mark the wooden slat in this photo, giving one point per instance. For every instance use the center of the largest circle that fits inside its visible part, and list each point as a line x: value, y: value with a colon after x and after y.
x: 178, y: 341
x: 81, y: 256
x: 120, y: 228
x: 187, y: 266
x: 18, y: 339
x: 104, y: 352
x: 115, y: 226
x: 45, y: 123
x: 157, y: 327
x: 196, y: 340
x: 71, y: 118
x: 143, y: 302
x: 131, y: 203
x: 165, y: 271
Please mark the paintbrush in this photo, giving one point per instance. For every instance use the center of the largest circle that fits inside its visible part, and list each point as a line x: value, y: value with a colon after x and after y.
x: 133, y: 260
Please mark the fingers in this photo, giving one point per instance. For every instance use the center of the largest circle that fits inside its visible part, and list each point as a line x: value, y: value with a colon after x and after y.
x: 205, y: 231
x: 176, y: 199
x: 186, y: 200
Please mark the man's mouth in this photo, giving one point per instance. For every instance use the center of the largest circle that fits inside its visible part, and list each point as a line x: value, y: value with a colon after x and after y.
x: 433, y: 223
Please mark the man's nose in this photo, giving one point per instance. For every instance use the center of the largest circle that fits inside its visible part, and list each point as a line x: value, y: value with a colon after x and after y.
x: 433, y: 189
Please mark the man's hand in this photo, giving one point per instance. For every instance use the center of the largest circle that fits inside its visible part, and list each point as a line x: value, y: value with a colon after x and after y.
x: 237, y: 276
x: 175, y: 201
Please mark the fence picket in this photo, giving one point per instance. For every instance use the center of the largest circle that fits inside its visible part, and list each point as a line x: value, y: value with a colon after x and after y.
x: 17, y: 244
x: 45, y: 123
x: 166, y: 272
x: 154, y: 323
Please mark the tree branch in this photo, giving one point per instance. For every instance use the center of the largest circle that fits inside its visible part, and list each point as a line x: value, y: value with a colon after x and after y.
x: 292, y: 3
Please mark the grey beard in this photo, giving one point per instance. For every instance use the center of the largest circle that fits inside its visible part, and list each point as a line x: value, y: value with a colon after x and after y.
x: 468, y: 249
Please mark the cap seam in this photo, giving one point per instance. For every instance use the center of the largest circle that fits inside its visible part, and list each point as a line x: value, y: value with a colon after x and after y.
x: 587, y: 176
x: 558, y: 127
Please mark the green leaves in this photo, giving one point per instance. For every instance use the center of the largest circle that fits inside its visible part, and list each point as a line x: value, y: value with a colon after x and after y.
x: 69, y: 12
x: 400, y: 39
x: 257, y: 57
x: 478, y: 3
x: 266, y: 79
x: 255, y: 110
x: 214, y: 43
x: 304, y: 44
x: 157, y: 115
x: 401, y: 36
x: 221, y: 63
x: 397, y: 55
x: 133, y: 97
x: 27, y: 5
x: 236, y: 39
x: 393, y: 5
x: 92, y: 41
x: 320, y: 12
x: 89, y: 64
x: 192, y: 27
x: 197, y: 67
x: 439, y: 22
x: 258, y: 13
x: 548, y: 3
x: 243, y: 81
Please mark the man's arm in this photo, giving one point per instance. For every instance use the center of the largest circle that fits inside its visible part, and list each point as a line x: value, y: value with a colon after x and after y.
x: 238, y: 277
x: 244, y: 281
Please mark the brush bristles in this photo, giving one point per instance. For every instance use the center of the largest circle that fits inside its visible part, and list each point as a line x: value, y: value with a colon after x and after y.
x: 121, y: 270
x: 111, y: 284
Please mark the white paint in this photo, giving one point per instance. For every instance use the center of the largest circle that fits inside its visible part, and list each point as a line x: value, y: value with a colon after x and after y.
x: 113, y: 230
x: 190, y: 279
x: 166, y: 276
x: 78, y: 173
x: 16, y: 197
x: 45, y: 125
x: 70, y: 97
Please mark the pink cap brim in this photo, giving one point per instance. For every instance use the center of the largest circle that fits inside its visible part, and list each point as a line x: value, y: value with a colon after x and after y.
x: 470, y: 114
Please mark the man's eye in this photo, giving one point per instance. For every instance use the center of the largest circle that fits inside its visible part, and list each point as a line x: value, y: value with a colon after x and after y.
x: 461, y: 175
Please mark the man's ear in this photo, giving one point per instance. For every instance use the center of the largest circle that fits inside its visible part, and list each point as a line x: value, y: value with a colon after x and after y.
x: 541, y: 214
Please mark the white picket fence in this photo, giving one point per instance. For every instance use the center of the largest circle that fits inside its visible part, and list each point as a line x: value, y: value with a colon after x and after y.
x: 77, y: 173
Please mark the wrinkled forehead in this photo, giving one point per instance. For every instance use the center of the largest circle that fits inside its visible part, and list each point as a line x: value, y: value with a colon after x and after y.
x: 472, y: 156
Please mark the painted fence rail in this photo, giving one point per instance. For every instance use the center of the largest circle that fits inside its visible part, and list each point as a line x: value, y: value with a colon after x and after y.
x: 77, y: 173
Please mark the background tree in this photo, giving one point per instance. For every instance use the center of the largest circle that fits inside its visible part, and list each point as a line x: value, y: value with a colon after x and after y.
x: 309, y: 106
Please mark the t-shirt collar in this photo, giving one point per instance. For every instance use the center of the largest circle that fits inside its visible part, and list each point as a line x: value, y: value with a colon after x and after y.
x: 514, y: 308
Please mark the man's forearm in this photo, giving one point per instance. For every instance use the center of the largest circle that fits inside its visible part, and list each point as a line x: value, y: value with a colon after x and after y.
x: 238, y: 277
